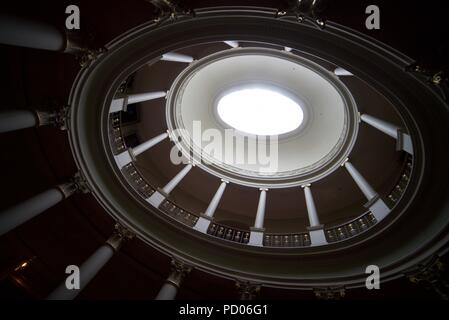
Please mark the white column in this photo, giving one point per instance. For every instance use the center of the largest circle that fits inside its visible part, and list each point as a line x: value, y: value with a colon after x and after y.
x: 363, y: 185
x: 22, y: 212
x: 216, y: 199
x: 127, y: 156
x: 376, y: 205
x: 204, y: 221
x: 148, y: 144
x: 89, y: 269
x: 260, y: 216
x: 381, y: 125
x: 176, y: 179
x: 311, y: 209
x: 120, y: 104
x: 404, y: 140
x: 316, y: 231
x: 156, y: 198
x: 233, y: 44
x: 171, y: 286
x: 176, y: 57
x: 256, y: 235
x: 342, y: 72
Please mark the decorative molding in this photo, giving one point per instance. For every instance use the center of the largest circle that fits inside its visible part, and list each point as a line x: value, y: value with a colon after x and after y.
x: 120, y: 234
x: 247, y: 290
x: 432, y: 275
x: 179, y: 270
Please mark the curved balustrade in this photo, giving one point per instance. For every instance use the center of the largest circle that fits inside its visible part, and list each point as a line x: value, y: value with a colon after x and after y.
x: 228, y: 233
x: 137, y: 181
x: 396, y: 194
x: 178, y: 213
x: 350, y: 229
x: 117, y: 141
x: 286, y: 240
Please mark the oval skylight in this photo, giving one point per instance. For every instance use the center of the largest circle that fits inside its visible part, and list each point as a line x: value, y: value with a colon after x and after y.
x: 260, y: 111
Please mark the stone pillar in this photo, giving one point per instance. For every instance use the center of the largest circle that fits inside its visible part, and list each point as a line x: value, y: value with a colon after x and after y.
x: 170, y: 288
x: 156, y: 198
x: 93, y: 264
x: 28, y: 209
x: 203, y: 222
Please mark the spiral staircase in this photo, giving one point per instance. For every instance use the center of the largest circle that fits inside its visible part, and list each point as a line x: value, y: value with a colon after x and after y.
x: 362, y: 182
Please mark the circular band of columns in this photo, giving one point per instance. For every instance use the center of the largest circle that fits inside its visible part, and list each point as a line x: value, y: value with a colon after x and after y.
x: 316, y: 231
x: 129, y: 52
x: 314, y: 172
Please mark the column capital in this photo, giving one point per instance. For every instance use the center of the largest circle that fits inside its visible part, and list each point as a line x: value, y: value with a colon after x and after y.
x: 119, y: 235
x: 225, y: 181
x: 67, y: 189
x: 308, y: 185
x: 263, y: 189
x: 431, y: 274
x: 90, y: 55
x: 80, y: 183
x: 247, y: 290
x: 344, y: 162
x: 57, y: 118
x: 178, y: 271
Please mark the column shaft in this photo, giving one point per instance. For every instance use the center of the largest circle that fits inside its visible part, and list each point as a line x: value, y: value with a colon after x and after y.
x: 177, y: 179
x: 88, y: 270
x: 311, y: 209
x: 364, y: 186
x: 176, y: 57
x: 215, y: 200
x: 31, y: 34
x: 381, y: 125
x: 22, y: 212
x: 167, y: 292
x: 260, y: 216
x: 140, y: 97
x: 148, y: 144
x: 17, y: 119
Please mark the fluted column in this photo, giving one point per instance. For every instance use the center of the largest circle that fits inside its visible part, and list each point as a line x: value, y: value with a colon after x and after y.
x: 120, y: 104
x: 256, y: 235
x: 316, y: 230
x: 129, y: 155
x: 90, y: 267
x: 404, y: 141
x: 28, y: 209
x: 23, y: 32
x: 203, y: 222
x: 376, y: 205
x: 156, y: 198
x: 170, y: 288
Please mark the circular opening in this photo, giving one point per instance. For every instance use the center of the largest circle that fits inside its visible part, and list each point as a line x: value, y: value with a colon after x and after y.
x: 260, y: 111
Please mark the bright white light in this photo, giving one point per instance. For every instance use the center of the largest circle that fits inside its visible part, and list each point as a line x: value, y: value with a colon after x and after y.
x: 260, y: 111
